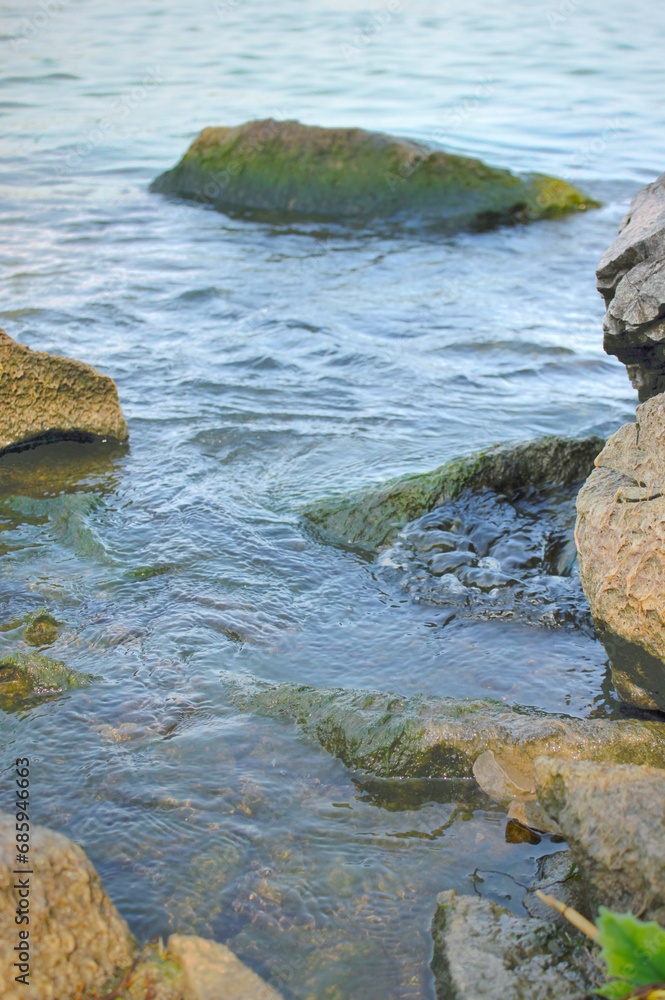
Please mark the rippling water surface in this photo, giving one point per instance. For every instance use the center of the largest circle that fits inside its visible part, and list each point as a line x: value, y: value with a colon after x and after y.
x: 259, y: 368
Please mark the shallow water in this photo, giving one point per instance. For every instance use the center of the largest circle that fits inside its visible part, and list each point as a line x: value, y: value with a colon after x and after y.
x: 259, y: 368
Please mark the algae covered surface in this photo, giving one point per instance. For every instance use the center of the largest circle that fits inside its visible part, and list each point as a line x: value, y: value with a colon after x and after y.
x: 355, y: 175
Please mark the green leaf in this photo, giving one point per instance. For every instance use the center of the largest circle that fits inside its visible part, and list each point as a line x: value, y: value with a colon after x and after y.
x: 632, y: 949
x: 616, y: 990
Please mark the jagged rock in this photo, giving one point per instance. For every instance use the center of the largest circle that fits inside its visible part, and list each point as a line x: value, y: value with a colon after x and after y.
x: 44, y: 398
x: 425, y: 736
x: 558, y: 875
x: 483, y: 952
x: 300, y: 170
x: 631, y: 279
x: 620, y: 536
x: 77, y: 938
x: 613, y: 818
x: 370, y: 518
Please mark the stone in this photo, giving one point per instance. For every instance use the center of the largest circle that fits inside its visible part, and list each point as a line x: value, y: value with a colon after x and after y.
x: 26, y: 678
x: 77, y: 938
x: 631, y: 279
x: 210, y: 971
x: 613, y: 818
x: 484, y: 952
x: 620, y: 537
x: 369, y: 519
x: 425, y: 736
x: 558, y: 875
x: 46, y: 398
x: 351, y: 174
x: 513, y: 788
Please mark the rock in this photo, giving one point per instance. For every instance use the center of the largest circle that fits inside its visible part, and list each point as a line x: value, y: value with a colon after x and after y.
x: 48, y: 398
x: 613, y: 818
x: 558, y: 875
x: 77, y: 938
x: 337, y: 173
x: 26, y: 678
x: 513, y: 788
x: 631, y: 278
x: 425, y: 736
x: 210, y: 971
x: 370, y: 518
x: 619, y: 535
x: 483, y: 952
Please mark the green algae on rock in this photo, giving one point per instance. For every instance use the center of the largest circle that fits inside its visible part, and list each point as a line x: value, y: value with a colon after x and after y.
x: 352, y: 174
x: 425, y: 736
x: 29, y: 677
x: 368, y: 519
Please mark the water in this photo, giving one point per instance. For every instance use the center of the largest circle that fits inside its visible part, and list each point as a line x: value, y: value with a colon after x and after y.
x: 260, y: 368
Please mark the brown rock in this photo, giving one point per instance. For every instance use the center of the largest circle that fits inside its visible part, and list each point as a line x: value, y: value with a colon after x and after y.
x: 613, y: 817
x: 631, y: 278
x: 212, y: 972
x: 46, y: 398
x: 620, y: 536
x: 77, y: 938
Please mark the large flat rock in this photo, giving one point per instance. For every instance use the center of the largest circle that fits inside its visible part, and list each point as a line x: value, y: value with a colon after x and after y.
x: 45, y: 398
x: 298, y: 170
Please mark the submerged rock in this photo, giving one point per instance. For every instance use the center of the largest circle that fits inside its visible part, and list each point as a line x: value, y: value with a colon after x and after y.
x: 369, y: 519
x: 425, y: 736
x: 26, y: 678
x: 351, y: 174
x: 45, y: 398
x: 613, y: 818
x: 483, y: 952
x: 631, y: 279
x: 620, y: 537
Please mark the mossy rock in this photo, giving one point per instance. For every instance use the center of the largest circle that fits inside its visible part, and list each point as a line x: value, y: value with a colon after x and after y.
x: 428, y: 737
x: 26, y: 678
x: 350, y: 174
x: 369, y: 519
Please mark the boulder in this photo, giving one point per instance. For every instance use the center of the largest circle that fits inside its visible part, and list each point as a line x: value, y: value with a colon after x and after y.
x: 631, y: 279
x: 77, y: 938
x: 613, y: 818
x: 425, y: 736
x: 350, y: 174
x: 370, y: 518
x: 45, y: 398
x: 483, y: 952
x: 620, y: 535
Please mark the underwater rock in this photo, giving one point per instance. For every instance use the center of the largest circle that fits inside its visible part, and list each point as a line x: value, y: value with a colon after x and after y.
x: 426, y: 736
x: 631, y: 279
x: 351, y: 174
x: 26, y: 678
x: 483, y: 952
x: 613, y: 818
x: 77, y: 938
x: 46, y: 398
x: 620, y: 536
x: 369, y: 519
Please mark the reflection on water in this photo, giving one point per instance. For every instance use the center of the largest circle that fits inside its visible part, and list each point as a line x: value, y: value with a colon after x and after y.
x: 261, y: 367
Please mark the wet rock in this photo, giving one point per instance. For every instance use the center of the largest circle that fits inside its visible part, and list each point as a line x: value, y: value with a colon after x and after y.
x: 210, y: 971
x: 42, y: 630
x: 515, y: 789
x: 425, y: 736
x: 486, y: 555
x: 350, y: 174
x: 620, y: 536
x: 77, y: 938
x: 558, y: 875
x: 631, y: 279
x: 45, y: 398
x: 483, y: 952
x: 369, y: 519
x: 613, y: 818
x: 26, y: 678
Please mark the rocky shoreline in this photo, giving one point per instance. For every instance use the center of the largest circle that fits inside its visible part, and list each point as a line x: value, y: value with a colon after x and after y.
x: 552, y: 774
